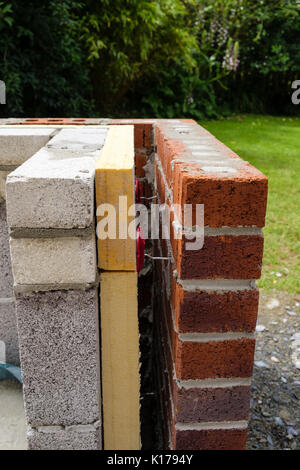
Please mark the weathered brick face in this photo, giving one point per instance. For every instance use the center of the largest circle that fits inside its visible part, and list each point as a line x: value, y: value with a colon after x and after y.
x: 207, y: 312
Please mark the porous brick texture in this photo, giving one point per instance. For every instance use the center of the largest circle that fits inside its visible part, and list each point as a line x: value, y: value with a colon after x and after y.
x: 206, y: 300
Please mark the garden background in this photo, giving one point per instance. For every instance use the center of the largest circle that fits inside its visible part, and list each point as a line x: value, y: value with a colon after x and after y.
x: 230, y: 65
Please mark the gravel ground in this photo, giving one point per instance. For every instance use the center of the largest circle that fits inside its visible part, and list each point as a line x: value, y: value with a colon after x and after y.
x: 12, y: 416
x: 275, y: 406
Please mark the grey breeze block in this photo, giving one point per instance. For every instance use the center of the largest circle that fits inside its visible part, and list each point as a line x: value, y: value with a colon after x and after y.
x: 55, y: 188
x: 75, y: 438
x: 59, y: 348
x: 18, y: 144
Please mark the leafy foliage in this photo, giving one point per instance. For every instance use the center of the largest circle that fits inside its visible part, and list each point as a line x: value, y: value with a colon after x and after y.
x: 165, y: 58
x: 41, y: 60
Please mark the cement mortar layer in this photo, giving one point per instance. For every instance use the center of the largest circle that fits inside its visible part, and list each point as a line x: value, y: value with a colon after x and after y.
x: 55, y: 188
x: 23, y: 232
x: 216, y: 285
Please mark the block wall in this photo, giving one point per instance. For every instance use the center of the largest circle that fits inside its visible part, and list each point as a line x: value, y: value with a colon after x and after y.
x: 206, y: 300
x: 51, y: 218
x: 16, y: 146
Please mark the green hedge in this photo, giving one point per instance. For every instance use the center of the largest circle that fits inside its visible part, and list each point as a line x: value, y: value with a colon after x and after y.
x: 164, y: 58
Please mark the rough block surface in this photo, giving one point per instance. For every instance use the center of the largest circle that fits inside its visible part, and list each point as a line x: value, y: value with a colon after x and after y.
x: 9, y: 332
x: 18, y: 144
x: 86, y: 438
x: 59, y: 348
x: 53, y: 189
x: 53, y: 260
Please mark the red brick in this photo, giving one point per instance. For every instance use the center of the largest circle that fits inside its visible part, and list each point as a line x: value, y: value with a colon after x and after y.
x: 211, y: 404
x: 203, y: 360
x: 208, y: 312
x: 234, y: 201
x: 221, y: 257
x: 211, y: 439
x: 214, y: 359
x: 229, y: 201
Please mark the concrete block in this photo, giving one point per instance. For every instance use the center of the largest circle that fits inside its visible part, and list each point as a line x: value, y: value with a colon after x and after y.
x: 66, y: 260
x: 3, y: 176
x: 85, y: 138
x: 53, y: 189
x: 115, y: 178
x: 9, y: 332
x: 120, y: 360
x: 6, y: 279
x: 18, y: 144
x: 77, y: 438
x: 59, y: 347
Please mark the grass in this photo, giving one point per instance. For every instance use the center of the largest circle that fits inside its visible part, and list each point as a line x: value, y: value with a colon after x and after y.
x: 272, y: 144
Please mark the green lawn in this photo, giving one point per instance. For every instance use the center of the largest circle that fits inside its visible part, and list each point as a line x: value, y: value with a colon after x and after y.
x: 272, y: 144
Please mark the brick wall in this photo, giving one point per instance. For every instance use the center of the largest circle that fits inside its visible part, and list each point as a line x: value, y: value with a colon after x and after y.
x: 206, y: 300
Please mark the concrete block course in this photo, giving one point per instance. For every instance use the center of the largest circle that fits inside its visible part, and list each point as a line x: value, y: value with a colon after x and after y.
x: 54, y: 189
x: 66, y: 260
x: 19, y: 144
x: 59, y: 347
x: 77, y: 438
x: 82, y: 139
x: 51, y: 218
